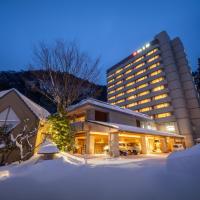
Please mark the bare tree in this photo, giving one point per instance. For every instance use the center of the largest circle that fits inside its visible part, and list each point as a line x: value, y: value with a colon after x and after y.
x: 64, y: 72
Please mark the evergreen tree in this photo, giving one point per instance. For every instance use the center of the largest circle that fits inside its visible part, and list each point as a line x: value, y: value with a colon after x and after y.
x: 196, y: 76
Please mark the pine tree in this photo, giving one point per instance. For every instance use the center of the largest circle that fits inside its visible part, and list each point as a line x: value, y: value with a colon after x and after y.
x: 196, y: 76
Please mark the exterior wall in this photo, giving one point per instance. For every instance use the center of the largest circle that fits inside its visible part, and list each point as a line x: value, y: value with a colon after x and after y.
x: 23, y: 112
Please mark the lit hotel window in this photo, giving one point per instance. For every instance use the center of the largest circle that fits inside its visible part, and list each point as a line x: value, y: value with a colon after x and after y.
x: 111, y: 86
x: 111, y: 81
x: 157, y: 80
x: 142, y: 86
x: 137, y: 60
x: 140, y: 72
x: 152, y: 51
x: 143, y: 93
x: 162, y: 105
x: 113, y: 103
x: 129, y: 84
x: 119, y: 82
x: 131, y: 105
x: 120, y: 88
x: 119, y: 76
x: 156, y: 73
x: 163, y: 115
x: 154, y: 65
x: 141, y: 79
x: 131, y: 97
x: 162, y: 96
x: 129, y: 71
x: 161, y: 87
x: 109, y: 76
x: 153, y: 58
x: 129, y: 77
x: 140, y: 65
x: 111, y: 92
x: 120, y: 101
x: 113, y: 97
x: 144, y: 101
x: 131, y: 90
x: 120, y: 94
x: 118, y: 71
x: 128, y: 65
x: 145, y: 109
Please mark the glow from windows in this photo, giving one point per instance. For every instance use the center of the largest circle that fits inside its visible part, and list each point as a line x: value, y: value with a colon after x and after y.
x: 120, y: 88
x: 138, y: 59
x: 162, y: 105
x: 129, y: 84
x: 141, y: 79
x: 163, y: 115
x: 140, y: 72
x: 131, y: 90
x: 140, y: 65
x: 131, y: 97
x: 128, y: 71
x: 157, y: 80
x: 144, y: 101
x: 110, y: 81
x: 154, y: 65
x: 145, y: 109
x: 120, y: 101
x: 161, y: 87
x: 120, y: 94
x: 152, y: 52
x: 111, y: 92
x: 111, y: 86
x: 156, y: 72
x: 129, y: 77
x: 131, y: 105
x: 143, y: 93
x: 142, y: 86
x: 119, y: 76
x: 118, y: 71
x: 119, y: 82
x: 111, y: 98
x: 153, y: 58
x: 162, y: 96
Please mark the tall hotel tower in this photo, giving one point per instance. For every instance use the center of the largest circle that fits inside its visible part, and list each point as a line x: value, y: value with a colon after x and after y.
x: 156, y: 80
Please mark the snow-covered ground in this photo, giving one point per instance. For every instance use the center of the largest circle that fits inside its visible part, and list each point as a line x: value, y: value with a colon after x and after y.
x: 148, y: 177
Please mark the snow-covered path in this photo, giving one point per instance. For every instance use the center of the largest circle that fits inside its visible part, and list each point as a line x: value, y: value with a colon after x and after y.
x: 58, y: 180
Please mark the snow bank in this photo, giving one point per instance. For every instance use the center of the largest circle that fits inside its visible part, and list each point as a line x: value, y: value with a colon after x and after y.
x: 47, y: 148
x: 187, y: 161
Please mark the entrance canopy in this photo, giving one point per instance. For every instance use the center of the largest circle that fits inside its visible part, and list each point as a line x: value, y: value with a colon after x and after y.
x: 133, y: 129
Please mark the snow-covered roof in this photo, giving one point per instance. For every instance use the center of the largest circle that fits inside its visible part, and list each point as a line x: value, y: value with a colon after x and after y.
x: 48, y: 147
x: 108, y: 106
x: 39, y: 111
x: 134, y: 129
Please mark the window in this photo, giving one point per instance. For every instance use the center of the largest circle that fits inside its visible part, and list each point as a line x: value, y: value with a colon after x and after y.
x: 101, y: 116
x: 120, y: 101
x: 128, y: 65
x: 142, y: 86
x: 111, y: 92
x: 140, y: 72
x: 141, y: 79
x: 153, y: 58
x: 128, y: 71
x: 119, y: 82
x: 119, y: 76
x: 137, y: 60
x: 145, y: 109
x: 129, y: 77
x: 118, y: 71
x: 144, y: 101
x: 119, y: 88
x: 161, y: 87
x: 131, y: 105
x: 154, y: 65
x: 162, y: 96
x: 140, y: 65
x: 111, y: 86
x: 152, y: 51
x: 120, y: 94
x: 109, y: 76
x: 157, y: 80
x: 156, y: 73
x: 131, y: 97
x: 79, y: 118
x: 113, y: 97
x: 162, y: 105
x: 138, y: 124
x: 143, y: 93
x: 130, y: 90
x: 163, y: 115
x: 111, y: 80
x: 129, y: 84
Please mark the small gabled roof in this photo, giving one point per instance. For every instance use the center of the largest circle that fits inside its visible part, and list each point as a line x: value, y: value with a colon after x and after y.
x: 108, y: 106
x: 39, y: 111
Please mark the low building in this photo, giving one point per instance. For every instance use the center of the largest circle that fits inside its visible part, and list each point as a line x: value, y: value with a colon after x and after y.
x: 100, y: 125
x: 23, y: 119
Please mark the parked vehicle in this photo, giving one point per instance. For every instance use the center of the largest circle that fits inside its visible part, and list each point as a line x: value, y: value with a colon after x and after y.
x: 130, y: 148
x: 178, y: 147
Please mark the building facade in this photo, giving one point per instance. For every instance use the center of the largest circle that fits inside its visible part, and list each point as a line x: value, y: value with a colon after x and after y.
x: 156, y: 80
x: 103, y: 128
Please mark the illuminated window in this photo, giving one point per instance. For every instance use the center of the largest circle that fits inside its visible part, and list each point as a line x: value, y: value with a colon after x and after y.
x: 141, y: 79
x: 113, y: 103
x: 120, y: 101
x: 154, y: 65
x: 140, y: 65
x: 157, y: 80
x: 140, y: 72
x: 152, y: 51
x: 120, y: 94
x: 156, y: 73
x: 129, y: 77
x: 131, y: 97
x: 113, y: 97
x: 144, y: 101
x: 109, y: 76
x: 153, y: 58
x: 143, y: 93
x: 162, y: 105
x: 162, y: 96
x: 161, y: 87
x: 163, y: 115
x: 145, y: 109
x: 131, y: 90
x: 128, y: 65
x: 129, y: 84
x: 119, y: 82
x: 118, y: 71
x: 131, y: 105
x: 119, y: 76
x: 137, y: 60
x: 111, y: 86
x: 120, y: 88
x: 129, y: 71
x: 111, y: 92
x: 142, y: 86
x: 79, y: 118
x: 111, y: 80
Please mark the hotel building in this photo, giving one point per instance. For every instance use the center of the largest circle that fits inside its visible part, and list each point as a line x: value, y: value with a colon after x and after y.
x: 156, y: 80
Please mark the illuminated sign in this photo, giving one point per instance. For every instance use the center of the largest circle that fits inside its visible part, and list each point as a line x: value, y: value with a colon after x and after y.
x: 141, y: 49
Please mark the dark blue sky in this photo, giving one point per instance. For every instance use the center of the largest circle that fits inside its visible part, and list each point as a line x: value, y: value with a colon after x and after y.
x: 109, y: 29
